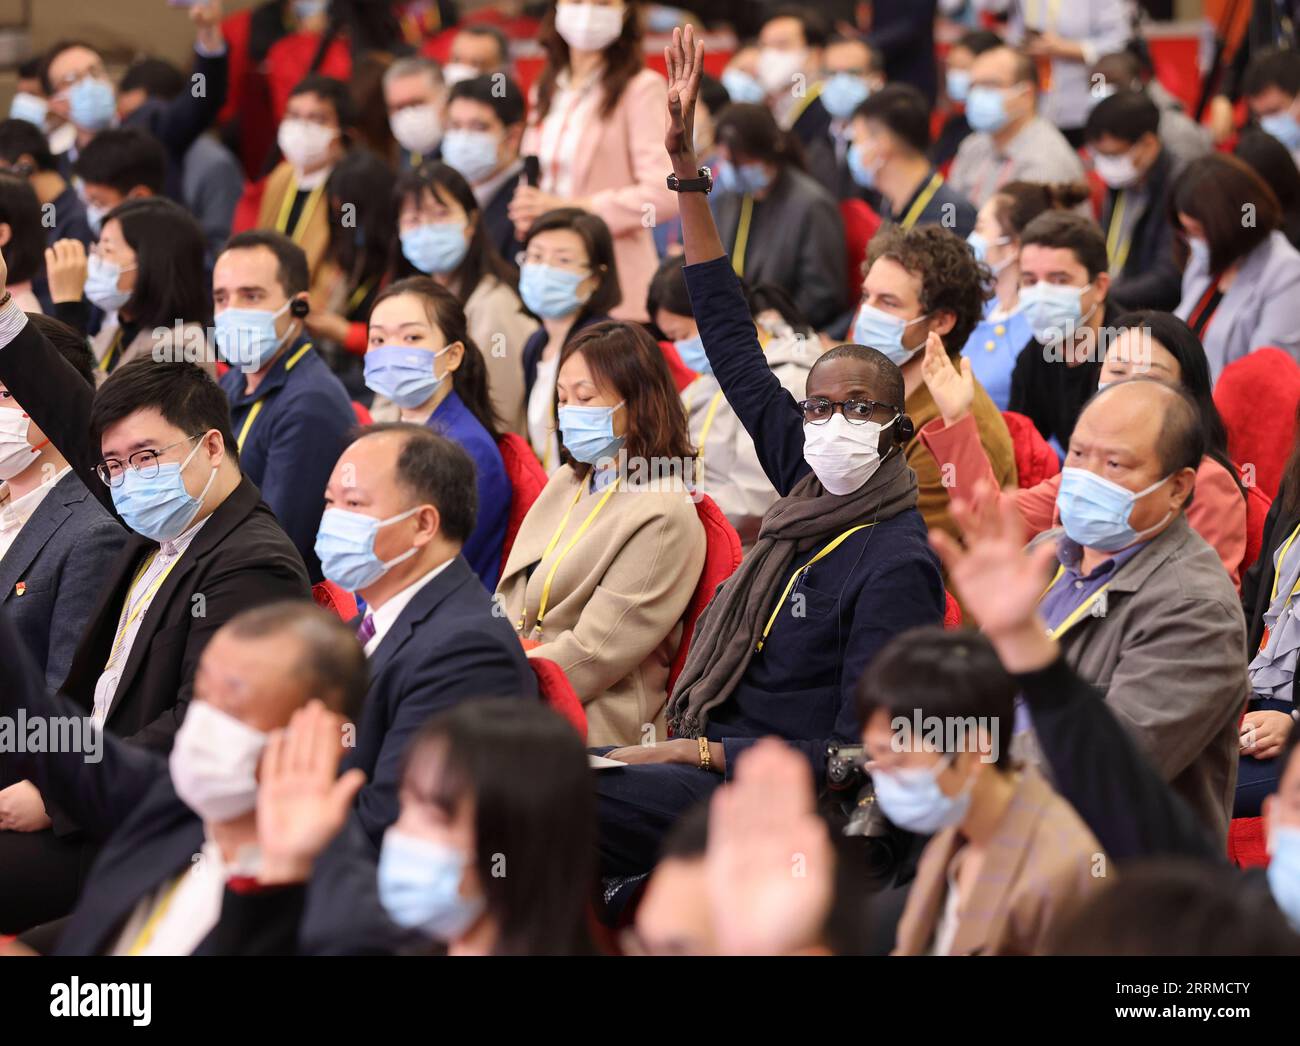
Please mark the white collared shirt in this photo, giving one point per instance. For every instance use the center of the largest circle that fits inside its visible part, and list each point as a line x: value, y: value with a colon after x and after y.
x: 386, y: 616
x: 15, y: 512
x: 573, y: 105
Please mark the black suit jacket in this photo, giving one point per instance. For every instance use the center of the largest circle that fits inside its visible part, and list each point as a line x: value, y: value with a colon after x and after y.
x: 449, y: 644
x: 1150, y: 279
x: 497, y: 219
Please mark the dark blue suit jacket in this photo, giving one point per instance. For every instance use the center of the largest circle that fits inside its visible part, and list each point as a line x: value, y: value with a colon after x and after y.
x: 449, y: 644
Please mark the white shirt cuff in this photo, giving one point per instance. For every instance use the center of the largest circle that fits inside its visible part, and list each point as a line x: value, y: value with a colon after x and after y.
x: 12, y: 322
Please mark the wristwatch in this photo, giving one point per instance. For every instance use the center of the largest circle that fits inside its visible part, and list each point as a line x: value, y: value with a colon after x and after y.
x: 702, y: 182
x: 706, y: 762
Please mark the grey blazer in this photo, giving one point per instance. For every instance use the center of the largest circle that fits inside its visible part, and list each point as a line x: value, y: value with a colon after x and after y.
x: 1167, y: 651
x: 51, y: 576
x: 1261, y: 308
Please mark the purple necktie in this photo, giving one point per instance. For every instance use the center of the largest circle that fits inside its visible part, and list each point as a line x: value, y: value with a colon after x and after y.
x: 366, y: 630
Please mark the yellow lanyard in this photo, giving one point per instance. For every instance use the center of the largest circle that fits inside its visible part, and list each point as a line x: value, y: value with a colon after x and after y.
x: 785, y: 592
x: 917, y: 208
x: 1117, y: 244
x: 150, y: 927
x: 304, y: 216
x: 1078, y: 613
x: 360, y: 295
x: 106, y: 364
x: 247, y: 427
x: 709, y: 415
x: 1277, y: 572
x: 742, y: 234
x: 808, y: 99
x: 128, y: 613
x: 555, y: 540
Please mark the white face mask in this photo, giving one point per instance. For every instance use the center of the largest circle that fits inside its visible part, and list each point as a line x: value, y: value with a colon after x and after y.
x: 588, y: 27
x: 306, y: 145
x: 16, y: 454
x: 1118, y: 172
x: 455, y: 72
x: 843, y: 455
x: 417, y: 128
x: 777, y: 69
x: 214, y: 763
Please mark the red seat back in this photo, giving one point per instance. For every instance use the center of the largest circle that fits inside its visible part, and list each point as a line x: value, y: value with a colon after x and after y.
x: 1257, y: 397
x: 1257, y: 505
x: 860, y: 224
x: 1035, y: 459
x: 951, y: 612
x: 682, y: 374
x: 721, y: 557
x: 363, y: 415
x: 331, y: 597
x: 1247, y: 847
x: 558, y: 693
x: 527, y: 478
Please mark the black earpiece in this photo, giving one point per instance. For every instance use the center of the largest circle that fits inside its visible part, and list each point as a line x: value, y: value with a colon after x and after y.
x: 299, y: 308
x: 904, y: 430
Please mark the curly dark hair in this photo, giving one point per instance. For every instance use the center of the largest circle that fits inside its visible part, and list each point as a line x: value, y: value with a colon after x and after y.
x: 951, y: 279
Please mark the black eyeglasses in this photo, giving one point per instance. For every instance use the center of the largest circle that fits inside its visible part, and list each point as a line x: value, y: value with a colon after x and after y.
x: 112, y: 470
x: 856, y: 412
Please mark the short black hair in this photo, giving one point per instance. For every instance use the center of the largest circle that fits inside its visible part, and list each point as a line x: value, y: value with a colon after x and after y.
x: 157, y: 77
x: 21, y: 211
x: 18, y: 138
x: 903, y: 110
x: 437, y: 471
x: 1126, y: 115
x: 123, y: 158
x: 977, y: 41
x: 1073, y: 232
x: 182, y: 392
x: 886, y: 378
x: 954, y: 676
x: 68, y: 342
x: 336, y: 92
x: 816, y: 30
x: 668, y: 288
x: 495, y: 90
x: 713, y: 95
x: 1274, y: 67
x: 291, y: 270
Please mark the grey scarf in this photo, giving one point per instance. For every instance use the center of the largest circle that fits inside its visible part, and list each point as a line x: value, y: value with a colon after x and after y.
x: 729, y: 629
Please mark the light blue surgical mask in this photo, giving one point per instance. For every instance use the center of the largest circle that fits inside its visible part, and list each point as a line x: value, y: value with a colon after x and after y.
x: 980, y: 245
x: 1284, y: 127
x: 30, y: 107
x: 741, y: 87
x: 986, y: 109
x: 246, y: 338
x: 883, y: 332
x: 691, y: 350
x: 419, y: 886
x: 1053, y: 311
x: 1200, y: 252
x: 862, y: 174
x: 473, y: 153
x: 958, y: 84
x: 911, y: 798
x: 345, y: 546
x: 95, y: 217
x: 842, y: 93
x: 101, y: 284
x: 92, y: 104
x: 305, y: 9
x: 159, y: 507
x: 747, y: 178
x: 550, y: 292
x: 406, y: 374
x: 588, y: 432
x: 1284, y: 871
x: 1095, y: 511
x: 436, y: 248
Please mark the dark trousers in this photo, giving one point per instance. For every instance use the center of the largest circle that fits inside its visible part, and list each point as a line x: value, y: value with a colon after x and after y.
x: 40, y: 877
x: 1256, y: 780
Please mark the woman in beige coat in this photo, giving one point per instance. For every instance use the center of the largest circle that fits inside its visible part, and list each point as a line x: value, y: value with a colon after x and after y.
x: 607, y: 559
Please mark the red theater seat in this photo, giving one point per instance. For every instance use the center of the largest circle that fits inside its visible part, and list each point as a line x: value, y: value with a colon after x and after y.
x: 558, y: 693
x: 1257, y: 397
x: 527, y: 478
x: 1035, y: 459
x: 721, y: 557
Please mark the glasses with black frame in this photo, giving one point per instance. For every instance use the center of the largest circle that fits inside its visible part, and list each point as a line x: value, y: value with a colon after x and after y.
x: 818, y: 411
x: 112, y: 471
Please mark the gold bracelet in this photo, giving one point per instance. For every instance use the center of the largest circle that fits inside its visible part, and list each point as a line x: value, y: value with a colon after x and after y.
x: 706, y: 762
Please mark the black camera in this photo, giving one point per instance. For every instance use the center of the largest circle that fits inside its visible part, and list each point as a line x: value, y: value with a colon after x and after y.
x: 844, y: 767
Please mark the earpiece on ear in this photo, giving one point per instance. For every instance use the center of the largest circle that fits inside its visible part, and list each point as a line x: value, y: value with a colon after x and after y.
x: 904, y: 429
x: 299, y: 308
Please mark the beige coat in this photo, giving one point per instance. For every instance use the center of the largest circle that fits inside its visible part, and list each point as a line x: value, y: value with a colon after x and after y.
x: 614, y: 616
x: 500, y: 327
x: 192, y: 345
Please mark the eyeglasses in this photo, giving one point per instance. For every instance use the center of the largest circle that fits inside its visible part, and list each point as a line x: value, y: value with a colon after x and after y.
x: 94, y: 72
x: 856, y: 412
x: 112, y: 471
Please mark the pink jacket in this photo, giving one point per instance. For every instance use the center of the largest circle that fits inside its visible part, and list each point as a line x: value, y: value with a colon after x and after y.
x: 621, y: 169
x: 1217, y: 512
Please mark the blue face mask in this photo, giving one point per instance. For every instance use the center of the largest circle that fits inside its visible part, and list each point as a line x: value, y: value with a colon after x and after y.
x: 1282, y: 126
x: 91, y: 104
x: 345, y: 546
x: 958, y: 84
x: 741, y: 87
x: 473, y: 153
x: 912, y: 799
x: 588, y: 432
x: 1284, y: 871
x: 879, y: 330
x: 159, y: 507
x: 1053, y: 311
x: 691, y: 350
x: 305, y: 9
x: 406, y: 374
x: 419, y: 886
x: 438, y: 247
x: 747, y: 178
x: 986, y: 109
x: 1095, y: 511
x: 862, y: 174
x: 550, y: 292
x: 30, y: 107
x: 842, y: 93
x: 246, y: 338
x: 101, y: 284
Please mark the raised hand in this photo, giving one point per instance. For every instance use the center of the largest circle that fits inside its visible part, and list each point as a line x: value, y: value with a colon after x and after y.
x: 952, y: 390
x: 301, y: 804
x: 685, y: 61
x: 66, y: 267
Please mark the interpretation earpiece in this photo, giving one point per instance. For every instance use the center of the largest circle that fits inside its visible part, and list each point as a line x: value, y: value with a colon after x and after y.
x: 904, y: 429
x: 299, y: 307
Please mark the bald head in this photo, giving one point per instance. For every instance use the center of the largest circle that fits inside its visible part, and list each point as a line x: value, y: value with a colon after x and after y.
x: 1179, y: 439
